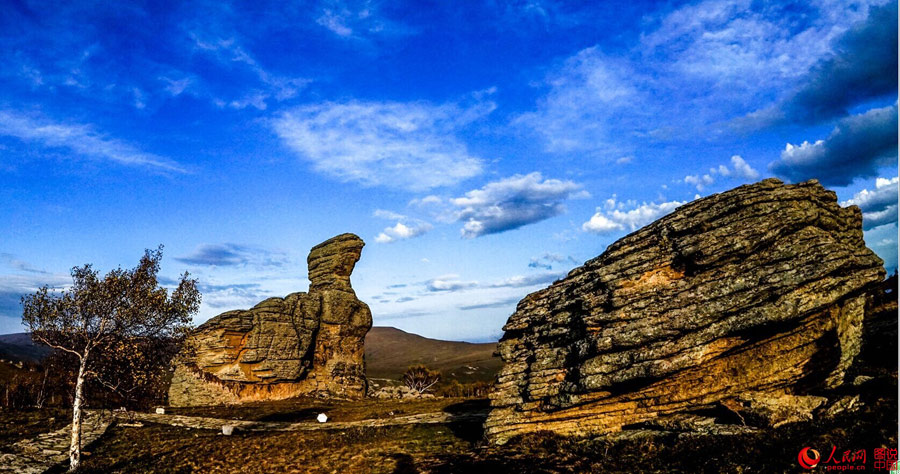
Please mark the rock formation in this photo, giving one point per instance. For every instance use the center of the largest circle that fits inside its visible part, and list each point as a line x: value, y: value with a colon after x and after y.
x: 302, y: 344
x: 748, y: 301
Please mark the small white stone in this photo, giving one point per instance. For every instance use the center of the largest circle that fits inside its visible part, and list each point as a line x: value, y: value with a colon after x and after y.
x: 322, y: 418
x: 160, y: 411
x: 227, y: 430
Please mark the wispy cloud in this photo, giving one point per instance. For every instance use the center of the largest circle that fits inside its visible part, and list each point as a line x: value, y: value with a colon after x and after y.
x: 857, y: 147
x: 14, y: 287
x: 229, y: 255
x: 513, y: 202
x: 453, y: 282
x: 402, y: 145
x: 231, y: 53
x: 500, y: 303
x: 879, y: 206
x: 857, y: 71
x: 358, y: 19
x: 547, y: 261
x: 742, y: 44
x: 617, y: 216
x: 82, y: 140
x: 403, y: 315
x: 235, y: 296
x: 20, y: 265
x: 587, y: 95
x: 524, y: 281
x: 739, y: 169
x: 696, y: 69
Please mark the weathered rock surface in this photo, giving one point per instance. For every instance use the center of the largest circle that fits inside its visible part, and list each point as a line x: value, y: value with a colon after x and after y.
x: 302, y: 344
x: 750, y: 301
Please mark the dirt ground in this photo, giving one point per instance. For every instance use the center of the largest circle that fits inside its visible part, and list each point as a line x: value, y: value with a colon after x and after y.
x: 16, y: 425
x: 306, y: 409
x: 458, y: 447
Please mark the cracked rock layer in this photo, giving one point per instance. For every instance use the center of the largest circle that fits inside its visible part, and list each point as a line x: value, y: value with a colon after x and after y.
x: 302, y: 344
x: 751, y: 296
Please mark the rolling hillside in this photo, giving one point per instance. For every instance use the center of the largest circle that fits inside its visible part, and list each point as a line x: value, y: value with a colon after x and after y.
x: 19, y: 347
x: 389, y: 351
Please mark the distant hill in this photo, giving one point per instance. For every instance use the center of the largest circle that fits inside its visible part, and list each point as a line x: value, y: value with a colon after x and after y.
x: 19, y: 347
x: 389, y: 351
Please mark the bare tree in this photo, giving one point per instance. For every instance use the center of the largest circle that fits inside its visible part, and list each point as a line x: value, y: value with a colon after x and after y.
x: 97, y: 317
x: 420, y: 378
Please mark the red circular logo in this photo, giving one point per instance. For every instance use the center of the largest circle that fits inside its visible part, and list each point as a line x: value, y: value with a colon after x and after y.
x: 808, y: 458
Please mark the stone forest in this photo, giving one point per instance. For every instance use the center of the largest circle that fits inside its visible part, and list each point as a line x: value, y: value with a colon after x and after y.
x: 735, y: 334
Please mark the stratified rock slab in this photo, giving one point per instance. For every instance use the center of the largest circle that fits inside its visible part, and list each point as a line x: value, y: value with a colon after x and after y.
x: 752, y: 298
x: 302, y: 344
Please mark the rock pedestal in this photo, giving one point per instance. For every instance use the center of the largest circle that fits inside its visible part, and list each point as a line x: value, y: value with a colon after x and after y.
x: 302, y: 344
x: 752, y: 299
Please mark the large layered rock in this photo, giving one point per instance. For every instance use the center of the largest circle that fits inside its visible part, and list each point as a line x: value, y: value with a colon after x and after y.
x: 302, y: 344
x: 751, y: 300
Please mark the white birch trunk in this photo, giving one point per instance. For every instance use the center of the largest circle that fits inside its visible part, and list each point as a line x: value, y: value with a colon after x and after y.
x: 75, y: 448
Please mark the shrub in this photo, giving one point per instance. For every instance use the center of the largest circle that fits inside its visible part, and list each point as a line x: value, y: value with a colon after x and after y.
x: 455, y: 389
x: 420, y: 378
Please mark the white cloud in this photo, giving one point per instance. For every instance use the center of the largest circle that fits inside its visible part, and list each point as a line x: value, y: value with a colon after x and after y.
x: 404, y: 145
x: 513, y: 202
x: 699, y: 181
x: 618, y: 216
x: 406, y: 228
x: 857, y: 147
x: 740, y: 169
x: 80, y: 139
x: 879, y: 206
x: 449, y: 282
x: 403, y: 231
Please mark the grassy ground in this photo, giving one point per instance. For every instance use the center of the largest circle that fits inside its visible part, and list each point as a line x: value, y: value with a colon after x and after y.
x: 22, y: 424
x: 458, y: 448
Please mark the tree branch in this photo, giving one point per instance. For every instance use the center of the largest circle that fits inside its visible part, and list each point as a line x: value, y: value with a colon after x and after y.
x: 55, y: 346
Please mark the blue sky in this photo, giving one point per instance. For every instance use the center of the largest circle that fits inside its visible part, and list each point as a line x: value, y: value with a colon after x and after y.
x: 481, y: 149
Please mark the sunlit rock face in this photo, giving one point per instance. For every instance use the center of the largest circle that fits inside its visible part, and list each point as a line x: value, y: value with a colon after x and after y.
x: 302, y: 344
x: 752, y: 300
